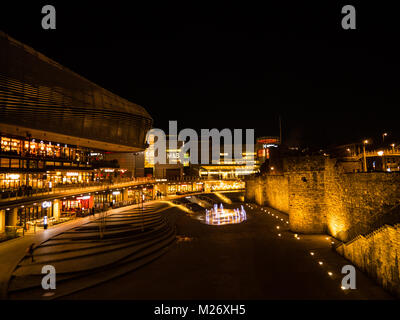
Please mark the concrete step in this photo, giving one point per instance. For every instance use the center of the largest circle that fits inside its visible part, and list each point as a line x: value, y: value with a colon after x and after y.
x: 70, y: 283
x: 87, y: 262
x: 76, y: 252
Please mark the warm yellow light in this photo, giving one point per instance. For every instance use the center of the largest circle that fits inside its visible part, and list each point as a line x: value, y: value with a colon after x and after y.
x: 380, y: 153
x: 279, y: 234
x: 330, y: 273
x: 343, y: 288
x: 312, y: 253
x: 320, y: 263
x: 277, y: 227
x: 365, y: 141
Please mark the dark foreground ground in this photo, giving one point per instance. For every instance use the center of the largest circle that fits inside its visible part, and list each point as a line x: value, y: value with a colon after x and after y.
x: 244, y: 261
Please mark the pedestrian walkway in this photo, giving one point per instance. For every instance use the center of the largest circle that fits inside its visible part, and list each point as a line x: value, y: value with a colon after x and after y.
x: 251, y: 260
x: 13, y: 251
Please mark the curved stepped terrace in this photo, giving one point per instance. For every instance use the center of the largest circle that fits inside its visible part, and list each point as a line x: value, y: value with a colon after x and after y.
x: 95, y: 252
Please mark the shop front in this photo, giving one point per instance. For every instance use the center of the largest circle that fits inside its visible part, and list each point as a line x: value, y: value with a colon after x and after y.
x: 35, y: 216
x: 79, y: 206
x: 185, y: 187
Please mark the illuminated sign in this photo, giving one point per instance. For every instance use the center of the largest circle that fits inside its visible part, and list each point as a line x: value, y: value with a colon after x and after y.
x: 268, y: 140
x: 46, y: 204
x: 266, y: 146
x: 83, y: 198
x: 72, y: 174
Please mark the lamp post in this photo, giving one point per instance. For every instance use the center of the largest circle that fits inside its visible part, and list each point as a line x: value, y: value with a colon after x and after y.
x: 365, y: 157
x: 392, y: 145
x: 383, y: 137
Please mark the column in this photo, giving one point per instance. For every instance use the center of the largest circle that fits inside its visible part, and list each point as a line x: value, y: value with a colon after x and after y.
x: 56, y: 209
x: 125, y: 195
x: 2, y: 221
x: 12, y: 217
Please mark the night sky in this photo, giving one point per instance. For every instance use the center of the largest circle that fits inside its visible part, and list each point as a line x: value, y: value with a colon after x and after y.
x: 233, y: 65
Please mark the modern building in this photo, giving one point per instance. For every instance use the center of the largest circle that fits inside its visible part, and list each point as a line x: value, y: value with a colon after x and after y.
x: 174, y: 164
x: 59, y: 129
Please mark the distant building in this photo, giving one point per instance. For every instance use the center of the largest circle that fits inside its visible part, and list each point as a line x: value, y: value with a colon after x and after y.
x: 173, y: 168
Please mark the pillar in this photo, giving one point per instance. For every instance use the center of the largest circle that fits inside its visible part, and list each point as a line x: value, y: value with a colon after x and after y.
x: 12, y: 217
x: 2, y: 221
x: 56, y: 209
x: 125, y: 195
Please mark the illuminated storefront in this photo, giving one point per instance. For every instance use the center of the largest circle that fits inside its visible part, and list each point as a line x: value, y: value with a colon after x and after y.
x: 80, y: 204
x: 185, y: 187
x: 32, y: 147
x: 225, y: 185
x: 26, y: 162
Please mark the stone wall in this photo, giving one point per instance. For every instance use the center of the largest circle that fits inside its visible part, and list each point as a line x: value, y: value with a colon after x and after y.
x: 320, y: 197
x: 355, y: 201
x: 271, y: 190
x: 377, y: 254
x: 307, y: 207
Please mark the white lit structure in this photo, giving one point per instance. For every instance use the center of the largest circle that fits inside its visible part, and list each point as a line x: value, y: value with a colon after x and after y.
x: 220, y: 216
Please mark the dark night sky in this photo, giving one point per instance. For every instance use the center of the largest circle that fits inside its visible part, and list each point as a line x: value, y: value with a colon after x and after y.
x: 235, y: 66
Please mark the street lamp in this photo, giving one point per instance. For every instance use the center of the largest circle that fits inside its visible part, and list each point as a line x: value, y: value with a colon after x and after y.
x: 365, y: 157
x: 393, y: 146
x: 383, y: 136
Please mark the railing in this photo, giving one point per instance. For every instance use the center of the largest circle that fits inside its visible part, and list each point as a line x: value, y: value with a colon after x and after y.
x: 14, y: 195
x: 83, y: 187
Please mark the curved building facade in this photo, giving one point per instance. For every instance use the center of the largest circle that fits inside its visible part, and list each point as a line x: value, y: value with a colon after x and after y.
x: 43, y: 99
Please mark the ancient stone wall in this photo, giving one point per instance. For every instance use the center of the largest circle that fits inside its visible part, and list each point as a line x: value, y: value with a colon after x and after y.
x: 270, y: 190
x: 377, y: 254
x: 319, y: 197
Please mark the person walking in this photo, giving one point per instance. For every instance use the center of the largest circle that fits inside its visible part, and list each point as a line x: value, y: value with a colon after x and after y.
x: 30, y: 251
